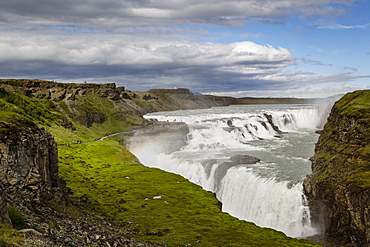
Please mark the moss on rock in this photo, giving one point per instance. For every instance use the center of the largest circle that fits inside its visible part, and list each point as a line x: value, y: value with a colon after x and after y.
x: 339, y: 188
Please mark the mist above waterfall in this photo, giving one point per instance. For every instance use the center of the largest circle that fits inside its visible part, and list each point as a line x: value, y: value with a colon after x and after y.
x: 267, y: 191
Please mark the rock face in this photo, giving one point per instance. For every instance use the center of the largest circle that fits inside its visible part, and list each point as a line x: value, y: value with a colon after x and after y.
x: 28, y: 155
x: 60, y: 91
x: 170, y: 91
x: 4, y: 215
x: 339, y: 187
x: 28, y: 167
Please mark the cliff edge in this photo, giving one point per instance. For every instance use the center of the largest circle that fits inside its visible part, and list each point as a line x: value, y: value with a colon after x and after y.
x: 339, y: 187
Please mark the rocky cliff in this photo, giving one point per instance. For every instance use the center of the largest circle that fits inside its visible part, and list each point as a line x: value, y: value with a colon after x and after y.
x: 4, y: 213
x: 75, y: 99
x: 28, y: 155
x: 339, y: 187
x: 28, y: 165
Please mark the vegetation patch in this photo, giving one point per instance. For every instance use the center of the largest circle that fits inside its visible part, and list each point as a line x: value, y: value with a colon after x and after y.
x: 355, y: 104
x: 10, y: 237
x: 17, y: 218
x: 156, y: 205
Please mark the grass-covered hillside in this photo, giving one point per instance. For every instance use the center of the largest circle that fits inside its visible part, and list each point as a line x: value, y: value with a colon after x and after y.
x: 150, y: 205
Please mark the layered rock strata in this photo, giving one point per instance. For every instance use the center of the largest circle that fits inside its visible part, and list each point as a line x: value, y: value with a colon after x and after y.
x: 28, y: 155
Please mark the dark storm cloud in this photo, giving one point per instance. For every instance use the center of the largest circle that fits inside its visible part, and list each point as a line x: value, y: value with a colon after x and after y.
x: 133, y: 13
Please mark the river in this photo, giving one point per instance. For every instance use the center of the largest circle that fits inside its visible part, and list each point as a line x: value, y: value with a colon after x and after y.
x: 267, y: 191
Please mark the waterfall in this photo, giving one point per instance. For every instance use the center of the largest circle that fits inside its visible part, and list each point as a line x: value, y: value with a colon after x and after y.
x: 265, y: 202
x: 269, y: 192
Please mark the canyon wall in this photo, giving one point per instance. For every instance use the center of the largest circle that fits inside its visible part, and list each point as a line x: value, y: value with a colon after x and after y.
x: 339, y: 187
x: 29, y: 162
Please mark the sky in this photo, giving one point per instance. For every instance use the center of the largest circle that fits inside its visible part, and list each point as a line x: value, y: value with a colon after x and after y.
x: 239, y: 48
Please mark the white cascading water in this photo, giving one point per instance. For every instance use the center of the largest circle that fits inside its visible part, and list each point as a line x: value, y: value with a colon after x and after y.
x: 272, y: 204
x: 269, y: 192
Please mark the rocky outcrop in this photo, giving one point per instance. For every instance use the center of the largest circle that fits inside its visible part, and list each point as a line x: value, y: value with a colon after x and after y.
x: 170, y: 91
x: 339, y: 187
x: 76, y: 99
x: 4, y: 215
x: 28, y: 167
x: 222, y: 169
x: 63, y: 91
x: 28, y: 155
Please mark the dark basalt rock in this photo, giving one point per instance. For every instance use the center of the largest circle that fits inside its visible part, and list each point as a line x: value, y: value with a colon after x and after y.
x: 222, y: 169
x: 244, y: 159
x: 4, y: 215
x: 28, y: 155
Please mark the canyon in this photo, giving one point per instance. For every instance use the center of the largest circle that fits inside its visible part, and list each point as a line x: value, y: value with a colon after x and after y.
x: 37, y: 115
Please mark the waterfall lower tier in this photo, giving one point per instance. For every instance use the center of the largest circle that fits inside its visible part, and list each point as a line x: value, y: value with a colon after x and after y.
x: 265, y: 202
x: 244, y: 195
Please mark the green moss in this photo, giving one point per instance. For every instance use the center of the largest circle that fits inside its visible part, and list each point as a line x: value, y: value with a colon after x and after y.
x: 361, y: 179
x: 17, y: 218
x: 355, y: 104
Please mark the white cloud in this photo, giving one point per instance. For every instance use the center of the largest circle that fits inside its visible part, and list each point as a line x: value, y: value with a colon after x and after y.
x: 340, y: 26
x: 85, y: 49
x: 144, y: 62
